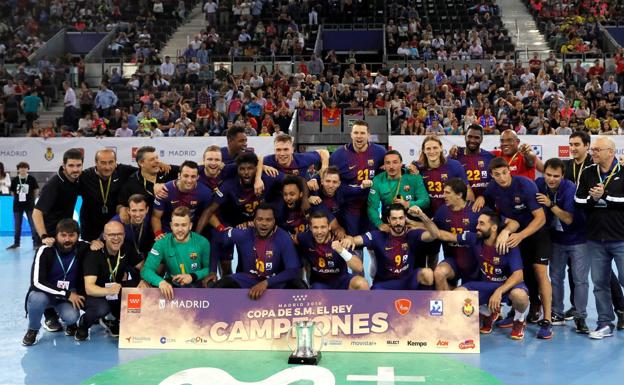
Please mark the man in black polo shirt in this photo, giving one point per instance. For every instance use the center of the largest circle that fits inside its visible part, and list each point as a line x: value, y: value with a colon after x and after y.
x: 100, y: 187
x: 105, y: 272
x: 56, y: 280
x: 24, y: 189
x: 138, y: 228
x: 58, y: 197
x: 150, y: 176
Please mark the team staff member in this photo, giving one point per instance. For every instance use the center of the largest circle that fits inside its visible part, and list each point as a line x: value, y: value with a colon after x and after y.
x: 105, y: 272
x: 567, y: 232
x: 185, y: 254
x: 358, y: 163
x: 394, y: 251
x: 138, y: 227
x: 24, y: 188
x: 148, y: 180
x: 520, y: 157
x: 601, y: 193
x: 327, y: 259
x: 56, y: 281
x: 500, y: 279
x: 58, y: 197
x: 393, y: 186
x: 514, y: 197
x: 266, y: 256
x: 100, y: 187
x: 579, y: 151
x: 474, y: 159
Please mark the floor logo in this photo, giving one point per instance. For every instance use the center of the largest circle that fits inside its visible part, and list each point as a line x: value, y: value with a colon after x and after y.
x: 214, y: 376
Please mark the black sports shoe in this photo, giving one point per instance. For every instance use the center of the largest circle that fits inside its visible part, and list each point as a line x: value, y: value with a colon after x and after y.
x: 557, y: 320
x: 70, y: 330
x: 534, y: 314
x: 53, y: 325
x: 569, y: 314
x: 107, y: 324
x: 113, y: 330
x: 620, y: 322
x: 30, y: 338
x: 82, y: 333
x: 581, y: 326
x: 13, y: 246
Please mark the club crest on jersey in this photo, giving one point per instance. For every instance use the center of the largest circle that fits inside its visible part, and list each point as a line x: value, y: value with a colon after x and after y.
x: 465, y: 221
x: 193, y: 256
x: 269, y: 254
x: 444, y: 176
x: 371, y: 162
x: 480, y: 163
x: 406, y: 188
x: 495, y: 260
x: 468, y: 308
x: 517, y: 199
x: 193, y: 203
x: 403, y: 246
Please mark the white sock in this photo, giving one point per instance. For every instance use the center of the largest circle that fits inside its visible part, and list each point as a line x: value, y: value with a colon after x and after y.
x: 485, y: 310
x: 521, y: 316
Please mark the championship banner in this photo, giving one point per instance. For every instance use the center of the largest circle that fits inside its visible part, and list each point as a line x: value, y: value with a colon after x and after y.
x: 546, y: 147
x: 358, y: 321
x: 46, y: 155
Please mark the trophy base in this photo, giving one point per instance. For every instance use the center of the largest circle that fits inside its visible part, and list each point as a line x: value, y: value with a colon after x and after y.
x: 295, y: 360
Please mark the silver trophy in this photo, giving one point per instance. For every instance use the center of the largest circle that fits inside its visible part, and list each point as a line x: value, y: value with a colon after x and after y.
x: 305, y: 354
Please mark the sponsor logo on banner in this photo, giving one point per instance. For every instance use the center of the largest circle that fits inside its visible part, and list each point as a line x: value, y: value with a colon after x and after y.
x: 137, y: 340
x: 196, y: 340
x: 468, y: 309
x: 403, y: 306
x: 134, y: 303
x: 467, y: 344
x: 564, y: 151
x: 162, y: 303
x: 165, y: 340
x: 436, y: 307
x: 537, y: 149
x: 420, y: 344
x: 393, y: 342
x: 442, y: 344
x: 49, y: 154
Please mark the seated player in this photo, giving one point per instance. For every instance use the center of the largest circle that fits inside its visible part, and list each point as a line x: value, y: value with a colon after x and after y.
x: 327, y: 258
x: 105, y: 272
x: 266, y: 256
x: 500, y: 278
x: 185, y: 254
x: 395, y: 251
x: 56, y: 282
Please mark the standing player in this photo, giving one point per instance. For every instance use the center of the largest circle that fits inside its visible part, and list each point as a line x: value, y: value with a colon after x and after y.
x: 474, y: 159
x: 394, y: 251
x: 183, y: 192
x: 358, y: 163
x: 138, y: 228
x: 266, y: 256
x: 332, y: 196
x: 567, y: 231
x: 515, y: 197
x: 500, y: 277
x: 327, y: 258
x: 236, y: 144
x: 436, y: 169
x: 393, y: 186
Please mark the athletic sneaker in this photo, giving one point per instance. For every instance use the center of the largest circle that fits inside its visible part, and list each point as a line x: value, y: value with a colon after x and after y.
x: 569, y: 314
x: 52, y: 325
x: 557, y: 320
x: 113, y: 330
x: 581, y: 326
x: 30, y: 338
x: 602, y: 331
x: 70, y: 330
x: 517, y: 332
x: 534, y: 314
x: 506, y: 322
x: 620, y: 322
x: 545, y: 332
x: 82, y: 333
x: 488, y: 323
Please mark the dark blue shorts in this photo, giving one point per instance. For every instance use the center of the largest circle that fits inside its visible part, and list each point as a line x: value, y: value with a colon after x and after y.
x: 246, y: 281
x: 409, y: 282
x: 341, y: 282
x: 486, y: 289
x: 218, y: 250
x: 459, y: 274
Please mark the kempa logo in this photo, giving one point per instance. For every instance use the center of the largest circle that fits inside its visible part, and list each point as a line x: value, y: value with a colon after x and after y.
x: 420, y: 344
x: 213, y: 376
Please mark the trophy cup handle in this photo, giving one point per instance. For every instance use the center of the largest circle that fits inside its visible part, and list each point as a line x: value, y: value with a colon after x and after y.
x: 322, y: 339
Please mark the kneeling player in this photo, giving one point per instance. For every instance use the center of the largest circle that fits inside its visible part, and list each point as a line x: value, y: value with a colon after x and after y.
x: 266, y: 256
x: 500, y: 277
x: 328, y: 258
x: 394, y: 251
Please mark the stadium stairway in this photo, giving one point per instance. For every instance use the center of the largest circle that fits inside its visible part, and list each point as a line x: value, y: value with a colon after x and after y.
x: 522, y: 27
x: 185, y: 32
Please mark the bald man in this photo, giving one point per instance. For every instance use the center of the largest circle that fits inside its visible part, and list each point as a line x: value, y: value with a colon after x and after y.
x: 520, y: 157
x: 106, y: 271
x: 601, y: 193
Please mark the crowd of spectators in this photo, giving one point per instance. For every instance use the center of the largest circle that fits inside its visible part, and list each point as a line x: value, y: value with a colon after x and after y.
x: 469, y: 31
x: 572, y: 26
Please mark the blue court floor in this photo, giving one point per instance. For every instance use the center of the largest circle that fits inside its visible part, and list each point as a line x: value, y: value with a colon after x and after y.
x: 568, y: 358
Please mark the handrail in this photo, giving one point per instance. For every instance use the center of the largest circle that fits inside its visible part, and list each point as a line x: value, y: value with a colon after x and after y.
x: 318, y: 45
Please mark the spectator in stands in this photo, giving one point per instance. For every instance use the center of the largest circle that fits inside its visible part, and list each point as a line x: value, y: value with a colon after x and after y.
x: 71, y: 104
x: 105, y: 99
x: 31, y: 105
